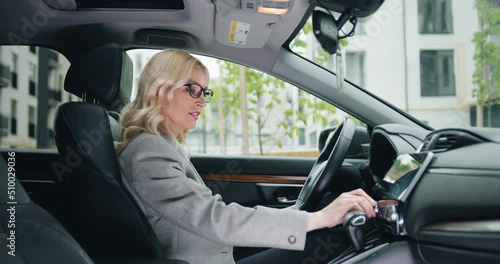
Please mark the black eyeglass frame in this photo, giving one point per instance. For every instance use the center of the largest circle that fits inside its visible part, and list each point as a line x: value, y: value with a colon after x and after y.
x: 203, y: 91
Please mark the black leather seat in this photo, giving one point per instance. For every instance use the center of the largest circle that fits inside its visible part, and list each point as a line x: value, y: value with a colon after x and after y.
x: 111, y: 223
x: 38, y: 237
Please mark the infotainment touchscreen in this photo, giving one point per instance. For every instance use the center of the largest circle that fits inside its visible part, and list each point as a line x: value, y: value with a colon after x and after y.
x: 403, y: 175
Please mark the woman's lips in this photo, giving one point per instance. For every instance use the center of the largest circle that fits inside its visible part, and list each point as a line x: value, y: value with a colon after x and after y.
x: 195, y: 115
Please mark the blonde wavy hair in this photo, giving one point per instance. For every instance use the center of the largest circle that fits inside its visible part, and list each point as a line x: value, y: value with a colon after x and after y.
x: 167, y: 71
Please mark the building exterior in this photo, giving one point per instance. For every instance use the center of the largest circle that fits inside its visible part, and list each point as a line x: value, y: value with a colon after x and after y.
x: 31, y: 88
x: 433, y: 40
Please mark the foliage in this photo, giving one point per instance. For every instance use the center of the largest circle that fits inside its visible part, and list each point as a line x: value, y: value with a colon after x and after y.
x: 486, y: 76
x: 269, y: 100
x: 225, y: 103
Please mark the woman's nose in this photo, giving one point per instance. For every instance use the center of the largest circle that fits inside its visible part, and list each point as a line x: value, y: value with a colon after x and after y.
x: 201, y: 101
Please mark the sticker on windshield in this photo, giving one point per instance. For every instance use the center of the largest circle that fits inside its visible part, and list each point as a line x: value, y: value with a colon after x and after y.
x: 238, y: 32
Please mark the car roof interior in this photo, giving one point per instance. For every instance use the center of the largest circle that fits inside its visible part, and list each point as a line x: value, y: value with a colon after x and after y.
x: 82, y: 25
x: 72, y: 27
x: 198, y: 26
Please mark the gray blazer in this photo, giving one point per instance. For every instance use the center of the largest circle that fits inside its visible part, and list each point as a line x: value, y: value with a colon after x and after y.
x: 191, y: 223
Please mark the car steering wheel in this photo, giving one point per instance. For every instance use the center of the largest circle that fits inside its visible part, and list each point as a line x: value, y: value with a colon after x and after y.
x: 324, y: 171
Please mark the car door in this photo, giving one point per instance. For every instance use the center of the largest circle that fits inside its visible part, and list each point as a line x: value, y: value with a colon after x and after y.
x: 273, y: 181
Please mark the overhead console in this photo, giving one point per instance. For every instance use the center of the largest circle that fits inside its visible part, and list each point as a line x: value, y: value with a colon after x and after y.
x: 250, y: 23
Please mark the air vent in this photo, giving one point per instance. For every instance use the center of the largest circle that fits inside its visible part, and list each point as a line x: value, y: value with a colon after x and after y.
x: 445, y: 141
x: 424, y: 146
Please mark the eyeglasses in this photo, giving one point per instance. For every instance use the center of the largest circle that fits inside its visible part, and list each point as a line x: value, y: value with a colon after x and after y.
x: 196, y: 90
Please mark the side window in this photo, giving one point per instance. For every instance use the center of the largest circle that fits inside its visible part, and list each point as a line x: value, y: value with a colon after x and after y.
x: 253, y: 113
x: 435, y: 17
x: 31, y: 80
x: 437, y: 73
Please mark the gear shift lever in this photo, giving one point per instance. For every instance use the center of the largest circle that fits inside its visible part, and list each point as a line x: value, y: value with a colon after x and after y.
x: 353, y: 223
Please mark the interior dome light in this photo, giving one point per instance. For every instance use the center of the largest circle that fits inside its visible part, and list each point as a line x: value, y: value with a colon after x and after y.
x: 273, y: 7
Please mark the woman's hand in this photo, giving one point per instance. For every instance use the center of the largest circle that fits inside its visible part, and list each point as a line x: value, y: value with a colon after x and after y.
x: 333, y: 214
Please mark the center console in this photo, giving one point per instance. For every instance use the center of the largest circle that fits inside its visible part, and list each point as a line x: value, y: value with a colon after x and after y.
x: 391, y: 193
x: 397, y: 185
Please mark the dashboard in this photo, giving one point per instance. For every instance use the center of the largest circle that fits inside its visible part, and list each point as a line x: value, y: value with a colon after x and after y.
x: 439, y: 188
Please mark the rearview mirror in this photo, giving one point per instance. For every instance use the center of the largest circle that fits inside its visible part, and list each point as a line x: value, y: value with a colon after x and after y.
x: 326, y: 31
x: 361, y: 8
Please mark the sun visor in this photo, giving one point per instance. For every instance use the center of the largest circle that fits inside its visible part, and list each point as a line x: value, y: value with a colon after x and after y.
x: 241, y: 23
x: 72, y: 5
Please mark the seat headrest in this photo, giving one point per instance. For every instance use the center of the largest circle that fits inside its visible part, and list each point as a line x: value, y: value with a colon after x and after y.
x: 104, y: 73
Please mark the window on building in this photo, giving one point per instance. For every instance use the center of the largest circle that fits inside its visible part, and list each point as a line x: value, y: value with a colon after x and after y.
x: 301, y: 106
x: 14, y: 70
x: 355, y: 67
x: 31, y: 121
x: 4, y: 125
x: 435, y: 17
x: 32, y: 79
x: 13, y: 117
x: 437, y: 73
x: 313, y: 139
x: 58, y: 87
x: 302, y: 136
x: 4, y: 75
x: 33, y: 49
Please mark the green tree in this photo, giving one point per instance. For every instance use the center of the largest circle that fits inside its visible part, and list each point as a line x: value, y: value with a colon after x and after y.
x: 225, y: 104
x: 265, y: 96
x: 486, y: 76
x: 258, y: 86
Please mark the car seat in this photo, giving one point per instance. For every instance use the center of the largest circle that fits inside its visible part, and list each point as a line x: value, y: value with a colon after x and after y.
x: 111, y: 224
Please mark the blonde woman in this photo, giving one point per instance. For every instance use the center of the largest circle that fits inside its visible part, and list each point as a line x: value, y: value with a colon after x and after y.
x: 190, y: 222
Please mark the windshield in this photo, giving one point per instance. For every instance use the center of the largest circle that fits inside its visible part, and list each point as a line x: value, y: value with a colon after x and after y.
x: 434, y: 59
